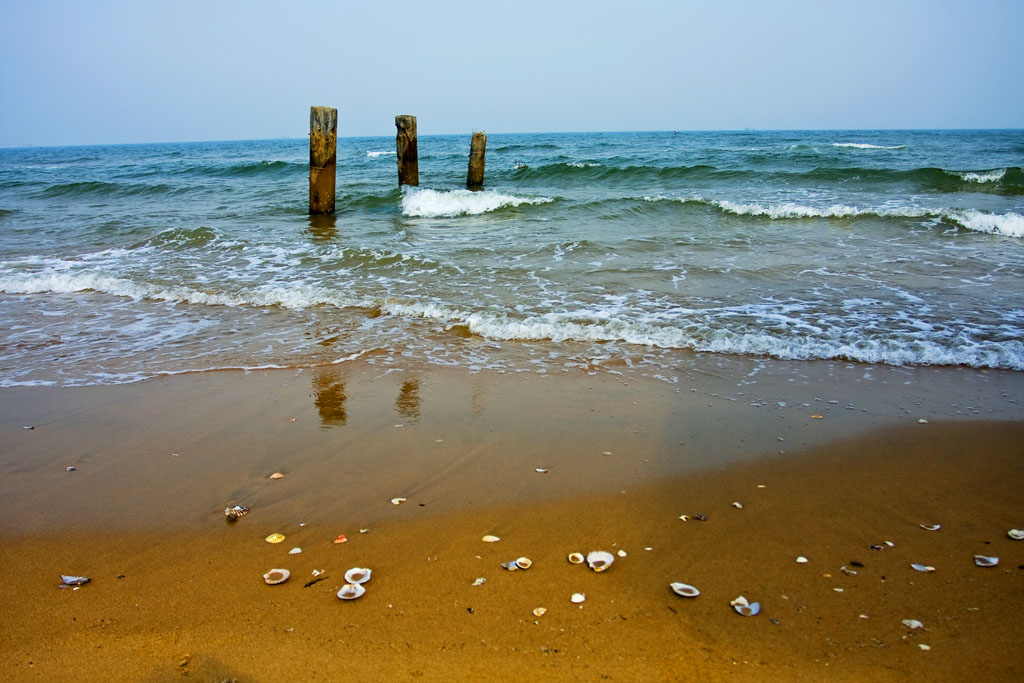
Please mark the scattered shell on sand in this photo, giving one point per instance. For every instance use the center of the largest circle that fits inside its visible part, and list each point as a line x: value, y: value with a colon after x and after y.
x: 233, y: 512
x: 276, y: 576
x: 599, y: 560
x: 922, y: 421
x: 802, y: 560
x: 912, y: 623
x: 931, y: 527
x: 1016, y: 534
x: 67, y: 580
x: 738, y: 505
x: 274, y: 538
x: 577, y: 598
x: 276, y: 475
x: 684, y: 589
x: 358, y: 575
x: 398, y: 501
x: 685, y: 518
x: 923, y: 567
x: 480, y: 581
x: 576, y: 558
x: 621, y: 553
x: 924, y: 647
x: 351, y: 591
x: 701, y: 517
x: 510, y: 565
x: 747, y: 609
x: 543, y: 470
x: 295, y: 551
x: 523, y: 562
x: 985, y: 561
x: 539, y: 611
x: 490, y: 539
x: 341, y: 538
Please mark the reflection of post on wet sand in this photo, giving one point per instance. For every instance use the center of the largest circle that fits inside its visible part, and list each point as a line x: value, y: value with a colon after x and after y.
x: 329, y: 397
x: 408, y: 402
x: 322, y: 227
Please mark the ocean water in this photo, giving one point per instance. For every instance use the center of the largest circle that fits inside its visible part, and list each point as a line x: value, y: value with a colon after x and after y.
x: 603, y: 252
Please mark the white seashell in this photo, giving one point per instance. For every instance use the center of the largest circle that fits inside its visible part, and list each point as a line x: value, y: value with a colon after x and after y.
x: 351, y: 591
x: 747, y: 609
x: 985, y: 561
x: 68, y: 580
x: 575, y: 558
x: 233, y: 512
x: 621, y: 553
x: 539, y: 611
x: 922, y: 567
x: 599, y: 560
x: 912, y: 623
x: 1016, y: 534
x: 802, y: 560
x: 684, y: 589
x: 398, y: 501
x: 543, y: 470
x: 276, y: 576
x: 738, y: 505
x: 357, y: 575
x: 480, y: 581
x: 924, y: 647
x: 510, y: 565
x: 685, y: 518
x: 295, y: 551
x: 524, y: 562
x: 490, y: 539
x: 578, y: 598
x: 931, y: 527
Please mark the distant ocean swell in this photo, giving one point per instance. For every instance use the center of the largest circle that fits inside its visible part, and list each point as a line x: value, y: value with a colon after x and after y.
x: 1007, y: 224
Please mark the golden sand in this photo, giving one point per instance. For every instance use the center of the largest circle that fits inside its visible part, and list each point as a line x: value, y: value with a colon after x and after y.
x: 177, y: 592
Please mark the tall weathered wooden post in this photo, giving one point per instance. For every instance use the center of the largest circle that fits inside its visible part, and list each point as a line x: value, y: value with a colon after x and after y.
x: 405, y: 143
x: 323, y: 156
x: 475, y: 177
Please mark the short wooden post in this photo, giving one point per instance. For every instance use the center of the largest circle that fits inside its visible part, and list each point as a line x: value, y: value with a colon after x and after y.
x: 475, y: 177
x: 323, y: 157
x: 405, y: 143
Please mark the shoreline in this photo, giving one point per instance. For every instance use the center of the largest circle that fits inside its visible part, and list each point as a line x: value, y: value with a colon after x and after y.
x: 156, y: 464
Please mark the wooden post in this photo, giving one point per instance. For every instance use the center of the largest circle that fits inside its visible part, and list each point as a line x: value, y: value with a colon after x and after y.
x: 475, y: 177
x: 323, y: 157
x: 405, y: 143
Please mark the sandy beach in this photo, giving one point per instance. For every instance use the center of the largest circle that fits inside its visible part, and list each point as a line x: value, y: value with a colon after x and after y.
x: 825, y: 461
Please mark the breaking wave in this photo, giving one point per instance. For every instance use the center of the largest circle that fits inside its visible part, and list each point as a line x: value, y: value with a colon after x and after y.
x: 427, y: 203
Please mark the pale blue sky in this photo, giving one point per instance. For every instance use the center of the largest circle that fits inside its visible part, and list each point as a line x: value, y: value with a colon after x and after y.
x: 107, y: 71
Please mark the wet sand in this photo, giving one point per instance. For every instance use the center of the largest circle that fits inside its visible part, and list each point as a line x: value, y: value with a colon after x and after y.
x: 826, y: 459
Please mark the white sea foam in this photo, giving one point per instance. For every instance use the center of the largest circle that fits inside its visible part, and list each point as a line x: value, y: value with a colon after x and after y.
x: 427, y: 203
x: 380, y: 153
x: 862, y: 145
x: 993, y: 176
x: 581, y: 164
x: 1006, y: 224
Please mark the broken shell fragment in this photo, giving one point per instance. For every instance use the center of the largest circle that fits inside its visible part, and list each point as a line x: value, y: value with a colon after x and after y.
x: 912, y: 623
x: 1016, y: 534
x: 523, y: 562
x: 543, y: 470
x: 351, y: 591
x: 738, y: 505
x: 510, y: 565
x: 575, y: 558
x: 295, y: 551
x: 684, y: 589
x: 276, y: 576
x: 397, y: 501
x: 931, y: 527
x: 922, y: 567
x: 480, y: 581
x: 747, y: 609
x: 357, y: 575
x: 67, y: 581
x: 599, y: 560
x: 802, y: 560
x: 985, y: 561
x: 490, y: 539
x: 539, y: 611
x: 233, y: 512
x: 577, y: 598
x: 341, y: 538
x: 276, y: 475
x: 621, y: 553
x: 274, y: 538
